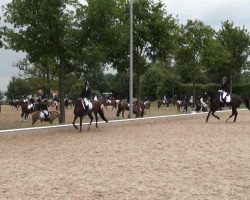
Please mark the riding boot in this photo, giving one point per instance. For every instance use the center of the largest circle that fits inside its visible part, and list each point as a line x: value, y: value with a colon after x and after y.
x: 86, y: 107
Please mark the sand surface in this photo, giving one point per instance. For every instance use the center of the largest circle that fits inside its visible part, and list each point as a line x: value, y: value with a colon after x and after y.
x: 168, y: 158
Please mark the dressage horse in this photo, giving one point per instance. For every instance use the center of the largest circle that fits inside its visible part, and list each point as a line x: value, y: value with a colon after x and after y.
x: 109, y: 102
x: 26, y: 111
x: 146, y: 106
x: 182, y: 103
x: 52, y: 116
x: 216, y: 104
x: 80, y: 112
x: 166, y: 102
x: 138, y: 109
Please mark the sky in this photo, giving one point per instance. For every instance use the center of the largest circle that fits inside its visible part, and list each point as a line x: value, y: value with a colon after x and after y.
x: 211, y: 12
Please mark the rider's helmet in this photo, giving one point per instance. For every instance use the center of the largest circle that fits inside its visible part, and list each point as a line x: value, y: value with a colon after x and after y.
x: 224, y: 79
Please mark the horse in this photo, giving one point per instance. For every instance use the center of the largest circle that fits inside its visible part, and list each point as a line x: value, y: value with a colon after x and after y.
x: 216, y: 104
x: 15, y: 103
x: 182, y: 103
x: 80, y: 112
x: 26, y: 111
x: 138, y: 109
x: 166, y: 102
x: 146, y: 106
x: 52, y: 116
x: 109, y: 102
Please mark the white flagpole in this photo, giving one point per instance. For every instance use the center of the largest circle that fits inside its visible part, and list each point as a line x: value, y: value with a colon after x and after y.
x: 131, y: 62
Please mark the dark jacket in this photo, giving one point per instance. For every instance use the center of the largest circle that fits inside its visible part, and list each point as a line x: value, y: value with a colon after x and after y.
x: 44, y: 106
x: 225, y: 86
x: 86, y: 92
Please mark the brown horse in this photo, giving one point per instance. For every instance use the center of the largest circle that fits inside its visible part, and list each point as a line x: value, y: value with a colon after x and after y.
x: 109, y: 102
x: 138, y: 109
x: 80, y: 112
x: 166, y: 102
x: 183, y: 103
x: 26, y: 111
x: 52, y: 116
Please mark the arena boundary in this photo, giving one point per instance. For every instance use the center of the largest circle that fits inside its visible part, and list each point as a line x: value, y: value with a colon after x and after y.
x: 112, y: 121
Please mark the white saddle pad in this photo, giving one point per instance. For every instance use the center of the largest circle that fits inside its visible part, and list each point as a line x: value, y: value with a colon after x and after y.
x: 228, y: 99
x: 90, y: 105
x: 42, y: 115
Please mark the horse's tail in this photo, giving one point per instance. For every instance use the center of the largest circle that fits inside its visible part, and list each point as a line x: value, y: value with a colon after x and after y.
x: 101, y: 113
x: 246, y: 102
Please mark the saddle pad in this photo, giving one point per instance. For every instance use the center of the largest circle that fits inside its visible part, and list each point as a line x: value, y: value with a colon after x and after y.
x: 90, y: 105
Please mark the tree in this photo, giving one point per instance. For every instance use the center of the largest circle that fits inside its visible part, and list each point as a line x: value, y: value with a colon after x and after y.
x: 44, y: 29
x: 194, y: 37
x: 18, y: 88
x: 236, y: 41
x: 214, y: 58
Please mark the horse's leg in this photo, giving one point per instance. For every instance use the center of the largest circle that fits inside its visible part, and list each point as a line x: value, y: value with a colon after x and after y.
x: 159, y: 105
x: 234, y: 113
x: 80, y: 124
x: 123, y: 113
x: 96, y: 119
x: 91, y: 119
x: 215, y: 115
x: 34, y: 120
x: 75, y: 117
x: 178, y: 108
x: 208, y: 115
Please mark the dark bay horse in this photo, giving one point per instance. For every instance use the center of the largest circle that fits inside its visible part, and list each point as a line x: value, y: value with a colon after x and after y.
x: 80, y: 112
x: 182, y: 103
x: 166, y: 102
x: 26, y: 111
x: 109, y: 102
x: 216, y: 104
x: 147, y: 105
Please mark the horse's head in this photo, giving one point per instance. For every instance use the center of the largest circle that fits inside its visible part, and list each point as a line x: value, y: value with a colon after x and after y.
x: 206, y: 95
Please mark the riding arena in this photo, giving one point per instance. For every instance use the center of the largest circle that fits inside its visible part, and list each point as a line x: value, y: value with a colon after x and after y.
x: 164, y: 155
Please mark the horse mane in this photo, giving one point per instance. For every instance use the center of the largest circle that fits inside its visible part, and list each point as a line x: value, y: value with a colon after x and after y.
x: 212, y: 93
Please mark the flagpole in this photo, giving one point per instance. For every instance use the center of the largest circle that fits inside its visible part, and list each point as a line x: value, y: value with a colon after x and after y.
x: 131, y: 62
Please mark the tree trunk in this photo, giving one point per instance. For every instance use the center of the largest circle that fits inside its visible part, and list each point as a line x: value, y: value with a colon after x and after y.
x: 62, y: 90
x: 138, y: 90
x: 194, y: 93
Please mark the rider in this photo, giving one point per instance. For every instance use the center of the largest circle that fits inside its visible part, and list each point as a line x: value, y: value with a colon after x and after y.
x: 86, y: 95
x: 45, y: 110
x: 224, y: 89
x: 31, y: 103
x: 165, y: 99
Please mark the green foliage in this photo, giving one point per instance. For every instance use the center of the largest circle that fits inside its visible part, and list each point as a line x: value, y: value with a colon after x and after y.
x: 18, y: 88
x: 195, y: 36
x: 236, y: 41
x: 242, y: 89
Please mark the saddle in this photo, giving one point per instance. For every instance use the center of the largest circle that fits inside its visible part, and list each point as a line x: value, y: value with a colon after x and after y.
x: 224, y: 97
x: 87, y: 103
x: 43, y: 115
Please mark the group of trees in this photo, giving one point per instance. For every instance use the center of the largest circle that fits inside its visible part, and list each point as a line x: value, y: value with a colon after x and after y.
x: 67, y: 42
